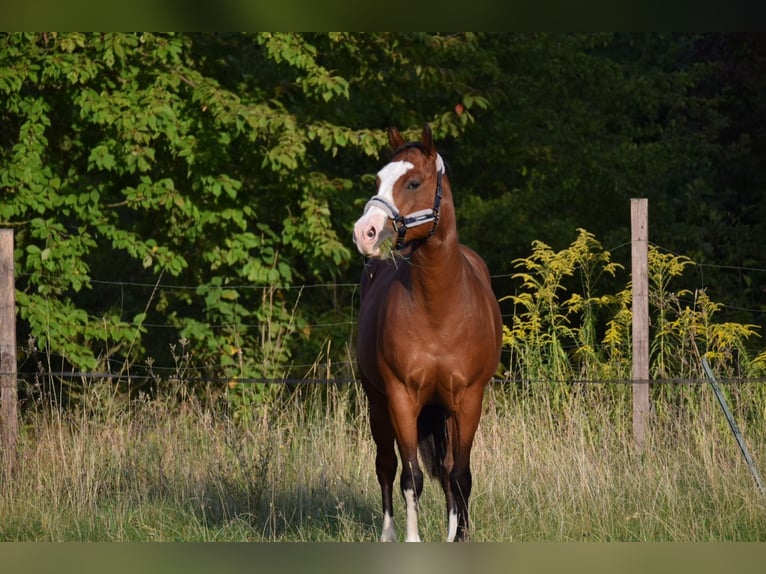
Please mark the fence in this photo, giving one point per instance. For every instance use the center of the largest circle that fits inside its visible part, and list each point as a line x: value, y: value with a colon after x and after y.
x: 8, y: 348
x: 8, y: 384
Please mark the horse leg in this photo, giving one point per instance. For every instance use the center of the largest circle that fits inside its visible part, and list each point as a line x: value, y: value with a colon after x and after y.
x: 463, y: 429
x: 385, y: 461
x: 404, y: 418
x: 447, y: 465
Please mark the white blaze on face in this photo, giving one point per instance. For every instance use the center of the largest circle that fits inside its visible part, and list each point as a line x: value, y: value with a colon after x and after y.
x: 373, y: 228
x: 389, y: 175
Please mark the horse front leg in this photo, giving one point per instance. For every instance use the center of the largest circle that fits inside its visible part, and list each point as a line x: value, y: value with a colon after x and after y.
x: 446, y: 469
x: 461, y: 483
x: 385, y: 463
x: 404, y: 417
x: 385, y: 468
x: 412, y: 487
x: 459, y: 480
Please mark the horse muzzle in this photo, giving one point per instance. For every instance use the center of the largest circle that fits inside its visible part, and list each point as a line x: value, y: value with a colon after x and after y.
x: 370, y: 231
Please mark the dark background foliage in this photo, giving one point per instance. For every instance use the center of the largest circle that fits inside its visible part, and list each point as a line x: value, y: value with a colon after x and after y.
x: 227, y: 169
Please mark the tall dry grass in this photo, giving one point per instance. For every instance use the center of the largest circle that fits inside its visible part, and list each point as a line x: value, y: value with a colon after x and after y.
x: 554, y: 458
x: 170, y: 468
x: 577, y: 476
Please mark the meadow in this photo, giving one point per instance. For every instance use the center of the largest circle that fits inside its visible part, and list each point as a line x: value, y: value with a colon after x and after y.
x: 554, y: 458
x: 178, y: 468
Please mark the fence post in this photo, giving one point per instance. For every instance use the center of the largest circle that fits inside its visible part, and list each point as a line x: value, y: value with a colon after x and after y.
x: 8, y: 389
x: 639, y: 225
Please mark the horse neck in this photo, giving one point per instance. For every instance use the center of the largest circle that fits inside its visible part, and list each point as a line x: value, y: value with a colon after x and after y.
x: 435, y: 262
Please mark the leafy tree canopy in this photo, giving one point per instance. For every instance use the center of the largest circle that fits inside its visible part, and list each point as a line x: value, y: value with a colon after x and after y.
x: 233, y: 165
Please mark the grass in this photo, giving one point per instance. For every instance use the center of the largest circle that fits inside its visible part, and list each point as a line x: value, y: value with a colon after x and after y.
x: 178, y: 469
x: 552, y: 461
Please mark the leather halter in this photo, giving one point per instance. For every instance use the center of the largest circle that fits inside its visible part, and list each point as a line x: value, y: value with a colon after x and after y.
x: 402, y: 223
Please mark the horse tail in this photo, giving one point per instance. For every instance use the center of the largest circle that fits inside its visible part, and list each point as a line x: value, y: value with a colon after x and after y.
x: 432, y: 438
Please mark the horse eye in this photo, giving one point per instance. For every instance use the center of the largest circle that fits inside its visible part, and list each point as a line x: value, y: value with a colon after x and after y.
x: 413, y: 184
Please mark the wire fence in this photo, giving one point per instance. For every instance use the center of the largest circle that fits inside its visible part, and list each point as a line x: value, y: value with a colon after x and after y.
x: 123, y: 377
x: 348, y: 292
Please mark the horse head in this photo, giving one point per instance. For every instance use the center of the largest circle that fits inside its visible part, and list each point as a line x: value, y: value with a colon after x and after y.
x: 408, y: 199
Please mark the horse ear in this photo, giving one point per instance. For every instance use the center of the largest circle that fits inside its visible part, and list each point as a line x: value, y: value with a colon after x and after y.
x: 395, y: 139
x: 427, y: 139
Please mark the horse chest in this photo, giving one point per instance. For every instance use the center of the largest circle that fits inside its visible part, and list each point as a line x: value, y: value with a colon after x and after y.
x: 436, y: 331
x: 435, y: 361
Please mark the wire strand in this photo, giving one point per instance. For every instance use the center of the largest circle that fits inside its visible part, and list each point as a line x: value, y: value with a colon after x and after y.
x: 346, y: 380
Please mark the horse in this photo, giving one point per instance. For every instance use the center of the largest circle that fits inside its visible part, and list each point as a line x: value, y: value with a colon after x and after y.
x: 429, y: 334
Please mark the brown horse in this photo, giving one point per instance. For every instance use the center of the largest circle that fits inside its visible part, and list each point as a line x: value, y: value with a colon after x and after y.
x: 429, y: 334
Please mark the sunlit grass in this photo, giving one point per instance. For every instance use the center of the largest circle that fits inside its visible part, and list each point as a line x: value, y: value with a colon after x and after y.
x: 167, y: 469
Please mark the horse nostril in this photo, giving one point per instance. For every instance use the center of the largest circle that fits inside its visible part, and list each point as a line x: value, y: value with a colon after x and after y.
x: 371, y: 233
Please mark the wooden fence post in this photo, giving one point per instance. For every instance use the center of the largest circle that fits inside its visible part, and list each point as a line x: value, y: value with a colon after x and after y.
x: 8, y: 389
x: 639, y: 225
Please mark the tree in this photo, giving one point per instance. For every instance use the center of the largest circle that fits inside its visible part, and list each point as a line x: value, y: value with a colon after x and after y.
x: 224, y: 169
x: 577, y: 124
x: 230, y: 163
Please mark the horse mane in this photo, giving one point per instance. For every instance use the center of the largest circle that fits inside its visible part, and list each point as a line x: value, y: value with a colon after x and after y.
x: 419, y: 146
x: 410, y: 145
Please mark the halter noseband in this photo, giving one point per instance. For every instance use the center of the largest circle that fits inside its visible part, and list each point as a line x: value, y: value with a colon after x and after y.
x: 401, y: 223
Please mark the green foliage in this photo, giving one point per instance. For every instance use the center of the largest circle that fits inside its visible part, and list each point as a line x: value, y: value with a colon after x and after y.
x: 566, y: 329
x: 554, y: 338
x: 686, y: 329
x: 204, y: 160
x: 577, y: 124
x: 225, y: 168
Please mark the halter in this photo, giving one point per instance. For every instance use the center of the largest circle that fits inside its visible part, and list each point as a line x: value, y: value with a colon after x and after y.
x: 401, y: 223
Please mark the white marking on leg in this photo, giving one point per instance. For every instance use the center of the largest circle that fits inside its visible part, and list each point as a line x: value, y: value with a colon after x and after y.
x: 389, y: 531
x: 452, y: 525
x: 412, y: 516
